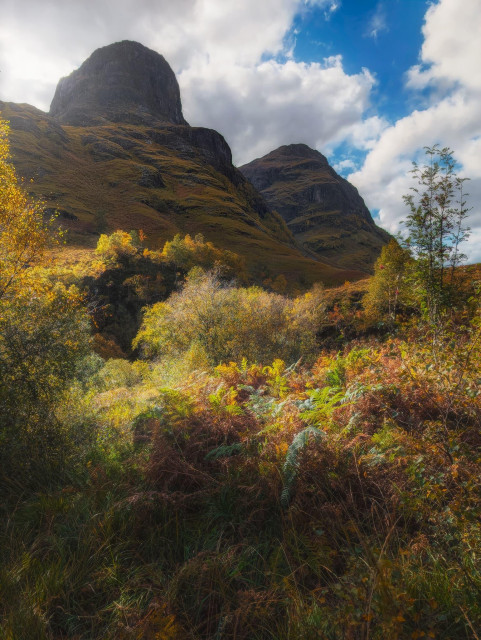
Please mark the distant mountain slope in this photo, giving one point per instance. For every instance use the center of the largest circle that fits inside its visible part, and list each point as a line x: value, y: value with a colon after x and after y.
x: 324, y: 212
x: 116, y: 152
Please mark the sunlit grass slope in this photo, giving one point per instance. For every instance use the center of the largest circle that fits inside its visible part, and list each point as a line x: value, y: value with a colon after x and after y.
x: 163, y: 179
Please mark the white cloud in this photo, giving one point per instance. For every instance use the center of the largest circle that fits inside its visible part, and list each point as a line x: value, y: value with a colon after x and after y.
x: 50, y: 38
x: 344, y: 165
x: 450, y: 66
x: 377, y: 22
x: 233, y: 61
x: 331, y: 8
x: 452, y: 44
x: 261, y: 107
x: 365, y: 134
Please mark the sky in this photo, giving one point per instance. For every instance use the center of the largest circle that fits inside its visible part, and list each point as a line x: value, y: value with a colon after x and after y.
x: 369, y: 83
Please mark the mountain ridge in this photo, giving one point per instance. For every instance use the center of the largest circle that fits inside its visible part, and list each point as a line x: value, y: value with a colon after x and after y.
x: 324, y: 212
x: 116, y: 152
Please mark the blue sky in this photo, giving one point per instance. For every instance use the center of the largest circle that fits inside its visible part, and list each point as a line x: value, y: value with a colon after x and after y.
x: 384, y: 37
x: 367, y: 83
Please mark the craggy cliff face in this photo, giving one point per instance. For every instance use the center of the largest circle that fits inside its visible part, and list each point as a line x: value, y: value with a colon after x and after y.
x: 122, y: 82
x: 324, y: 212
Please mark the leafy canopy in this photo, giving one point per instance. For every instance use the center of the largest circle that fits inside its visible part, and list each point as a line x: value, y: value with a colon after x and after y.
x: 43, y: 332
x: 229, y: 323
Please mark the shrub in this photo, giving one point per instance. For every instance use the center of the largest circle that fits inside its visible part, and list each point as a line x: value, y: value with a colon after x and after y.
x: 24, y: 234
x: 388, y: 291
x: 230, y: 323
x: 187, y: 253
x: 42, y: 338
x: 43, y: 332
x: 118, y: 247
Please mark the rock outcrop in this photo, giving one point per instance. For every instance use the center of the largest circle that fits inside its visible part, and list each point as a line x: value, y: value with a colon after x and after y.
x: 123, y: 82
x: 324, y: 212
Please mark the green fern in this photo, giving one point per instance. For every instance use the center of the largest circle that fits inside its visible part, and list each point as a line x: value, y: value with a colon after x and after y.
x: 320, y: 404
x: 225, y: 451
x: 291, y: 465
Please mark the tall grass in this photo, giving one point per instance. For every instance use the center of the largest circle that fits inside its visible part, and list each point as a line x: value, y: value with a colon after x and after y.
x: 178, y: 525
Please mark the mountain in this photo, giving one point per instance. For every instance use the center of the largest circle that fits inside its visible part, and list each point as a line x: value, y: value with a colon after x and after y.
x: 116, y: 152
x: 324, y: 212
x: 124, y: 82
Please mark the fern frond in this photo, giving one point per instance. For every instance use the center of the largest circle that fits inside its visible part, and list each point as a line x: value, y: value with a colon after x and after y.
x: 291, y: 464
x: 225, y: 451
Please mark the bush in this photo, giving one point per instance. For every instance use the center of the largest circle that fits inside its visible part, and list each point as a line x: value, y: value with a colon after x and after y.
x: 187, y: 253
x: 388, y: 291
x: 43, y: 332
x: 118, y: 247
x: 42, y: 338
x: 230, y: 323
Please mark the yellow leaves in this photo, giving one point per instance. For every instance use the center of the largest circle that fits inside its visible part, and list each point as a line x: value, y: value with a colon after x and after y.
x: 23, y: 232
x: 158, y: 625
x: 281, y: 449
x: 234, y: 374
x: 225, y: 401
x: 228, y: 323
x: 422, y: 634
x: 275, y: 378
x: 119, y: 244
x: 228, y: 370
x: 278, y: 367
x: 187, y: 253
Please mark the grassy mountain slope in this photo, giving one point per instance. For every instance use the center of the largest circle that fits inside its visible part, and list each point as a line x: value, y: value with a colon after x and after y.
x: 157, y: 177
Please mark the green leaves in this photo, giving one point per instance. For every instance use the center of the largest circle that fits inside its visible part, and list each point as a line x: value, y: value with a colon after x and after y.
x: 436, y: 226
x: 291, y: 465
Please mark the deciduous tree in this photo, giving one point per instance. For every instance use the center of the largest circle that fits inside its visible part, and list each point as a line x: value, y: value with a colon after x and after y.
x: 24, y: 232
x: 436, y: 226
x: 43, y: 332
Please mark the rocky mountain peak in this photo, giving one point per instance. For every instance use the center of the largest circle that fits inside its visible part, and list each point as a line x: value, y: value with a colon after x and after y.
x: 323, y: 211
x: 123, y: 82
x: 293, y: 151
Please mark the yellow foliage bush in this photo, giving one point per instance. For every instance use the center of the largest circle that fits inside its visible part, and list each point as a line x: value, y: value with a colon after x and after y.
x: 229, y: 323
x: 43, y: 333
x: 187, y: 253
x: 24, y: 233
x: 388, y: 291
x: 117, y: 246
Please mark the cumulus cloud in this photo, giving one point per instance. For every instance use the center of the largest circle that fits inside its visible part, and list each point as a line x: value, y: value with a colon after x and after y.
x: 452, y: 46
x: 449, y: 65
x: 261, y: 107
x: 345, y: 165
x: 232, y: 60
x: 50, y: 38
x: 40, y: 40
